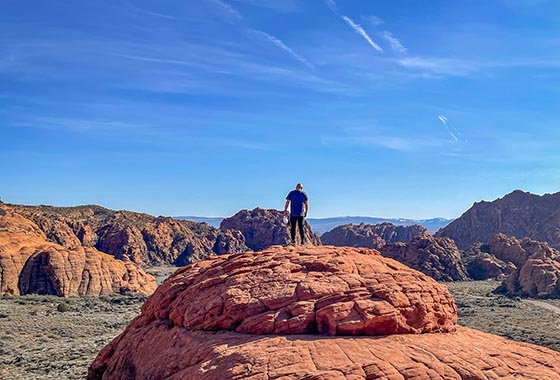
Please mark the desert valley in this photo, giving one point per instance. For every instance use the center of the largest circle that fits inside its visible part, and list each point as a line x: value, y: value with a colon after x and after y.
x: 279, y: 190
x: 73, y: 278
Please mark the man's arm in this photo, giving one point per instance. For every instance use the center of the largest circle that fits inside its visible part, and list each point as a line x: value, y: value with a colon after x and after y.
x: 306, y: 203
x: 286, y: 206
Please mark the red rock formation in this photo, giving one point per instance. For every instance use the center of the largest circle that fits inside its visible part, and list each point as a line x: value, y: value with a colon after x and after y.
x: 31, y: 264
x: 142, y: 238
x: 438, y: 258
x: 263, y: 228
x: 482, y: 265
x: 537, y: 266
x: 286, y: 291
x: 371, y: 236
x: 213, y: 319
x: 517, y: 214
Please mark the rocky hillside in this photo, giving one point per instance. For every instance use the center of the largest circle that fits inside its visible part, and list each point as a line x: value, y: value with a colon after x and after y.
x: 262, y: 228
x: 141, y: 238
x: 30, y: 262
x: 439, y: 258
x: 371, y: 236
x: 264, y: 315
x: 517, y: 214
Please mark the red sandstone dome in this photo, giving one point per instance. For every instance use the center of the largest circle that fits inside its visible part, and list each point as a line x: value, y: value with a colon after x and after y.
x: 313, y: 313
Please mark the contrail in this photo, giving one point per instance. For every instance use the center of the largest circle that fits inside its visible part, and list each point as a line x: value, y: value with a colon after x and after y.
x: 332, y: 5
x: 283, y: 46
x: 229, y: 9
x: 361, y: 32
x: 444, y: 120
x: 357, y: 28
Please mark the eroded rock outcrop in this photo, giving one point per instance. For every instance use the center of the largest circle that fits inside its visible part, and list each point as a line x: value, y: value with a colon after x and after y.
x: 537, y: 266
x: 263, y: 228
x: 517, y: 214
x: 214, y: 319
x: 439, y: 258
x: 31, y: 264
x: 482, y: 265
x: 371, y: 236
x: 141, y: 238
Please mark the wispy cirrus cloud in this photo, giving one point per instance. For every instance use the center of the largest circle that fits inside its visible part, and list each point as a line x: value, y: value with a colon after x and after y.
x: 233, y: 13
x: 228, y: 9
x: 332, y: 5
x: 284, y: 6
x: 440, y: 67
x: 396, y: 45
x: 134, y: 9
x: 358, y: 29
x: 373, y: 20
x: 283, y: 46
x: 396, y: 143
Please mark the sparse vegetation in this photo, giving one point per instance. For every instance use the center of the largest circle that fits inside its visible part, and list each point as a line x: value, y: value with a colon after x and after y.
x: 39, y: 342
x: 520, y: 319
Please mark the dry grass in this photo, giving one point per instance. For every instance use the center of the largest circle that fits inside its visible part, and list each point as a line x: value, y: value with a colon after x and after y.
x: 518, y: 319
x: 37, y: 341
x: 46, y: 337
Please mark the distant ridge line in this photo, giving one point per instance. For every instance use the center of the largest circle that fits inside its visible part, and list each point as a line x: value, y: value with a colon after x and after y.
x: 322, y: 225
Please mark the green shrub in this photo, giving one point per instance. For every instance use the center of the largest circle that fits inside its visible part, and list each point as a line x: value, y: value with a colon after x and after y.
x: 63, y: 307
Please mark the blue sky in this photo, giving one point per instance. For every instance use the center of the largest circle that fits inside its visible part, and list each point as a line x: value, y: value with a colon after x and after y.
x: 203, y: 107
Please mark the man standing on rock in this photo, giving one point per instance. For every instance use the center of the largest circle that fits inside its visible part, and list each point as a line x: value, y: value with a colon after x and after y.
x: 299, y: 205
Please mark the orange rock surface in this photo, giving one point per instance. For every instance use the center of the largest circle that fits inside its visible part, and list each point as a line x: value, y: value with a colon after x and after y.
x: 310, y: 313
x: 31, y: 264
x: 329, y: 290
x: 160, y: 351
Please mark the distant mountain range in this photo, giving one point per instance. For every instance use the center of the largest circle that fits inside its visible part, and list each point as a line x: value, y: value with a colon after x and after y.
x: 519, y: 214
x: 212, y: 221
x: 322, y: 225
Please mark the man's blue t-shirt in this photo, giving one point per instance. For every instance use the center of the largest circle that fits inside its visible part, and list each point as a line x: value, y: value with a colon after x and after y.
x: 296, y: 198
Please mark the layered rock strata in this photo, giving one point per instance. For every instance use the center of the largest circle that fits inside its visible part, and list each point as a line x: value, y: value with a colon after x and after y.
x: 313, y: 313
x: 264, y: 227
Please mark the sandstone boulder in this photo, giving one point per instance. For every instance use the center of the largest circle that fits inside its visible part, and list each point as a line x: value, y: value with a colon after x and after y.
x: 439, y: 258
x: 268, y: 315
x: 263, y: 228
x: 371, y: 236
x: 31, y: 264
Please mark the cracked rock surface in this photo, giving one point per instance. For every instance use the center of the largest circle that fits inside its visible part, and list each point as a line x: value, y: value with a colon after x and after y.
x: 310, y: 313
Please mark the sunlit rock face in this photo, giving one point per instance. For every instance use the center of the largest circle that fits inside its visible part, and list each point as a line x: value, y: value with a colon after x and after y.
x: 313, y: 313
x: 29, y: 263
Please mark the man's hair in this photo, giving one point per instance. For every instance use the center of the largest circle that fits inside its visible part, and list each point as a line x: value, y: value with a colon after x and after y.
x: 299, y: 186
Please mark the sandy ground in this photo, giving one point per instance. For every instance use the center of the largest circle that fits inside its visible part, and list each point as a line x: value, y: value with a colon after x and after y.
x: 45, y: 337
